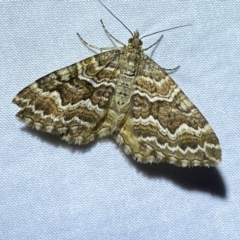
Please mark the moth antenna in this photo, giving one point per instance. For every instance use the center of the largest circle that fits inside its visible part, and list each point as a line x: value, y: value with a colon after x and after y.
x: 165, y: 30
x: 115, y: 16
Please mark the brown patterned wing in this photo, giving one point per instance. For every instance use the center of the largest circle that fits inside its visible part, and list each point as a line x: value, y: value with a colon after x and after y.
x: 164, y: 125
x: 72, y: 102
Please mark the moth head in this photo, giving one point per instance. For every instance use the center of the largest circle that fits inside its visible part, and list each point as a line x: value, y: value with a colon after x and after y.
x: 135, y: 40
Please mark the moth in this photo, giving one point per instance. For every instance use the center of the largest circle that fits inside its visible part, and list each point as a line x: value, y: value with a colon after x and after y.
x: 124, y: 94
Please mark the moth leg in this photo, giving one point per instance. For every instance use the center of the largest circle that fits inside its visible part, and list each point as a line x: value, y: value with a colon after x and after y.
x: 110, y: 35
x: 90, y: 46
x: 145, y: 49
